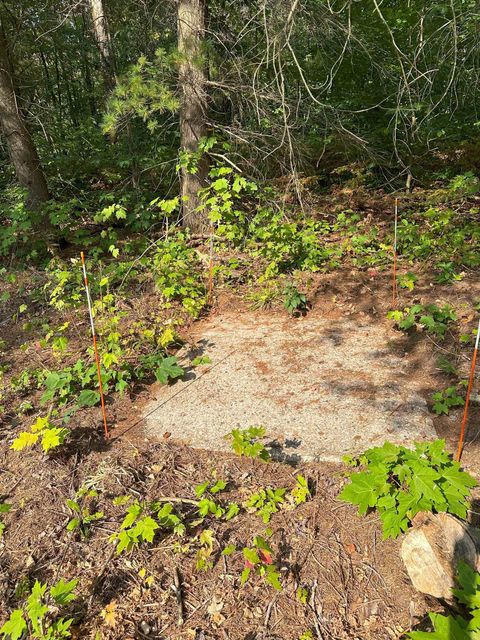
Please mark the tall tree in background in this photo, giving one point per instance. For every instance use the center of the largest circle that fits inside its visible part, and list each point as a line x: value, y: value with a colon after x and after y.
x: 104, y: 43
x: 21, y: 147
x: 193, y: 104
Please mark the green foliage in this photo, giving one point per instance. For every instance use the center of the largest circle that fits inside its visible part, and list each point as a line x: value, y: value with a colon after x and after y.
x: 266, y: 296
x: 430, y: 317
x: 37, y: 618
x: 266, y: 502
x: 466, y: 184
x: 407, y: 281
x: 401, y: 482
x: 245, y: 443
x: 199, y: 361
x: 456, y: 627
x: 444, y: 400
x: 258, y: 559
x: 83, y: 512
x: 203, y: 558
x: 4, y: 508
x: 177, y: 273
x: 300, y: 493
x: 143, y: 92
x: 294, y: 301
x: 42, y: 430
x: 141, y: 523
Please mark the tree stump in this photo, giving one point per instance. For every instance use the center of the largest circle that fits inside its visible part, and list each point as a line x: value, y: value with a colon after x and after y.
x: 432, y: 550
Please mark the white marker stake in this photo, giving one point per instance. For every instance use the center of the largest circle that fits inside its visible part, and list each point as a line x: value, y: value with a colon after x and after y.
x: 95, y: 349
x: 394, y: 283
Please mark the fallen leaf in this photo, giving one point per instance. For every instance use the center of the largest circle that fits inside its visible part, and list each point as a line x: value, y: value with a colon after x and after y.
x: 214, y: 609
x: 109, y: 614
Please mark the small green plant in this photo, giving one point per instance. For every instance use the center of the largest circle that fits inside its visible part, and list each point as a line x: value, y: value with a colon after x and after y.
x: 258, y: 559
x: 4, y: 508
x: 201, y: 360
x: 245, y: 443
x: 457, y: 627
x: 209, y: 507
x: 401, y: 482
x: 447, y: 273
x: 83, y: 516
x: 266, y: 502
x: 266, y: 296
x: 444, y: 400
x: 300, y: 493
x: 429, y: 317
x: 203, y: 557
x: 51, y: 437
x: 446, y: 366
x: 294, y: 301
x: 38, y: 618
x: 407, y: 281
x: 178, y: 274
x: 141, y: 522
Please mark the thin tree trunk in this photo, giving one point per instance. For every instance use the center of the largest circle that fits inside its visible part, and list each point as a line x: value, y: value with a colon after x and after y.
x: 191, y: 29
x: 104, y: 43
x: 21, y: 148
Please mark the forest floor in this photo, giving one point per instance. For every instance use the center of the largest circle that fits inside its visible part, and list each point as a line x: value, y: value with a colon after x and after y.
x: 355, y: 585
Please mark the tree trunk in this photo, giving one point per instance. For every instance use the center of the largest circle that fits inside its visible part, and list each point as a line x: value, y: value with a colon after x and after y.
x: 21, y: 148
x: 191, y: 29
x: 104, y: 43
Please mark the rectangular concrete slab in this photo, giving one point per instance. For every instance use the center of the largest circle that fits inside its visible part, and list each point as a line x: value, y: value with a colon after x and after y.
x: 322, y: 388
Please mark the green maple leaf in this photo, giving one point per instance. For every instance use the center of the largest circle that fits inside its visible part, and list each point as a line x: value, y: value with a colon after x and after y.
x: 132, y: 514
x: 146, y: 529
x: 469, y: 591
x: 423, y: 484
x: 272, y: 576
x: 245, y: 575
x: 88, y: 398
x: 25, y: 439
x: 62, y: 592
x: 393, y: 524
x: 446, y: 628
x: 364, y: 490
x: 460, y: 480
x: 251, y: 555
x: 15, y: 626
x: 168, y: 370
x: 52, y: 438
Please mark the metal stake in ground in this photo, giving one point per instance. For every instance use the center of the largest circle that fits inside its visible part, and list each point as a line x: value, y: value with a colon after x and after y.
x: 394, y: 283
x: 97, y: 360
x: 467, y: 398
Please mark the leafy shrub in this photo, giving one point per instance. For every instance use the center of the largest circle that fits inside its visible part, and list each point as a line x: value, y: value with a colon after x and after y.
x: 50, y: 436
x: 457, y: 627
x: 431, y: 318
x: 401, y: 482
x: 177, y: 272
x: 245, y: 443
x: 294, y: 302
x: 39, y: 620
x: 266, y: 502
x: 258, y: 559
x: 141, y: 522
x: 444, y: 400
x: 407, y: 281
